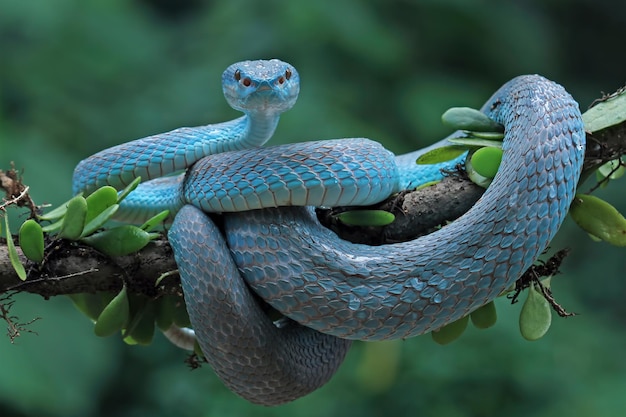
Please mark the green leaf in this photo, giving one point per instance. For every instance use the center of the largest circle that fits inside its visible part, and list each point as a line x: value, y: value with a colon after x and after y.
x: 442, y: 154
x: 486, y: 161
x: 487, y: 136
x: 155, y: 221
x: 366, y: 217
x: 31, y: 240
x: 474, y: 176
x: 181, y: 316
x: 599, y: 218
x: 485, y: 316
x: 166, y: 306
x: 129, y: 188
x: 100, y: 200
x: 14, y: 257
x: 536, y: 315
x: 450, y: 332
x: 140, y: 330
x: 99, y: 220
x: 478, y: 143
x: 611, y: 170
x: 52, y: 227
x: 91, y: 305
x: 57, y: 212
x: 73, y: 222
x: 115, y: 315
x: 466, y: 118
x: 120, y: 241
x: 606, y: 113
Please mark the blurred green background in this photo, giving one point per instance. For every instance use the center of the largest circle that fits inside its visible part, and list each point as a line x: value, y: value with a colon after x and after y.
x: 78, y: 76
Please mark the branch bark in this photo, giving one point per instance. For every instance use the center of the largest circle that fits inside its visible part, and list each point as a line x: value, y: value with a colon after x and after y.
x: 71, y: 268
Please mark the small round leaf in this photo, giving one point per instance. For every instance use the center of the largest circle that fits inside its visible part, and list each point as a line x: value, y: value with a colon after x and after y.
x: 486, y: 161
x: 441, y: 154
x: 466, y: 118
x: 31, y: 240
x: 120, y: 240
x: 73, y: 222
x: 536, y: 315
x: 485, y: 316
x: 115, y: 315
x: 599, y: 218
x: 366, y: 217
x: 450, y: 332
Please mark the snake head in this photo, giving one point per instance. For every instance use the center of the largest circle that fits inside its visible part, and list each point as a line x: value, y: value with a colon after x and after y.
x: 267, y: 86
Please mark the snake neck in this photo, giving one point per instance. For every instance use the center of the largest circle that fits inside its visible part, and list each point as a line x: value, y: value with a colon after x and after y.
x: 259, y: 128
x: 166, y: 153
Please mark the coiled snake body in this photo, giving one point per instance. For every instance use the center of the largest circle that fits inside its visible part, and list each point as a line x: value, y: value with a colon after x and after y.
x: 334, y: 291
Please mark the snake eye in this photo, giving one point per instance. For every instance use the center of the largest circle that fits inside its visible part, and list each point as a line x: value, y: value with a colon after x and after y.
x: 247, y: 82
x: 287, y: 74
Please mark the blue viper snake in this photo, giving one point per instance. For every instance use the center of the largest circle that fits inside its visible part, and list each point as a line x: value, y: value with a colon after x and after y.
x: 270, y: 245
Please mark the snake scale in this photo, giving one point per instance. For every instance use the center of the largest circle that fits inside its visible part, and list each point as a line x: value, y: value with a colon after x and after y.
x: 331, y: 291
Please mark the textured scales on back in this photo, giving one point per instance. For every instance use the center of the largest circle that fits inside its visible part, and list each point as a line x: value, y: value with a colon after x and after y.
x: 405, y: 289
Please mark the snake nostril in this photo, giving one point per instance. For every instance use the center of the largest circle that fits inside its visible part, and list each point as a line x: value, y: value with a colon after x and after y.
x: 287, y: 74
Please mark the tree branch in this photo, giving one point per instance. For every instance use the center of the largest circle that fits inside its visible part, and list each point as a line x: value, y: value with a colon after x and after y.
x: 70, y: 267
x: 73, y: 268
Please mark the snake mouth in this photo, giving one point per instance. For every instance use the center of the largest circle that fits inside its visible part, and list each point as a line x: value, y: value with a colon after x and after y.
x: 266, y: 99
x: 263, y: 87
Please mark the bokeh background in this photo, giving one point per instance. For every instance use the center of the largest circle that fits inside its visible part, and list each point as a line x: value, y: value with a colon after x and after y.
x: 77, y: 76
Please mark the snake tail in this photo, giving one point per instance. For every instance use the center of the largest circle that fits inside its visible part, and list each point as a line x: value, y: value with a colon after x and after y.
x: 257, y: 360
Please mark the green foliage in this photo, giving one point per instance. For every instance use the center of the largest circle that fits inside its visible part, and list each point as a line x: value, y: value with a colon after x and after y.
x: 599, y: 218
x: 165, y: 313
x: 611, y: 170
x: 99, y: 201
x: 121, y: 240
x: 536, y: 315
x: 481, y: 136
x: 467, y: 118
x: 440, y: 154
x: 131, y: 316
x: 115, y: 315
x: 128, y: 189
x: 140, y: 329
x: 13, y: 255
x: 80, y: 218
x: 73, y: 221
x: 486, y: 161
x: 606, y: 113
x: 155, y: 222
x: 488, y: 139
x: 31, y: 240
x: 485, y: 316
x: 366, y: 217
x: 450, y: 332
x: 91, y: 305
x: 99, y: 220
